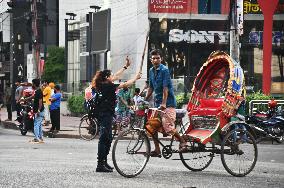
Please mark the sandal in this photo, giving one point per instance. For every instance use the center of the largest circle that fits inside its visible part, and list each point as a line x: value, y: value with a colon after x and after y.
x: 183, y: 147
x: 155, y: 154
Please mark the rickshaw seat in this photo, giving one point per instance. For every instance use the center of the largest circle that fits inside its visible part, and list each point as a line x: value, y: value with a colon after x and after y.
x: 208, y: 107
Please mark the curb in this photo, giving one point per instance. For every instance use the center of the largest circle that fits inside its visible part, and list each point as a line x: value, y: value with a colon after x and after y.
x: 14, y: 126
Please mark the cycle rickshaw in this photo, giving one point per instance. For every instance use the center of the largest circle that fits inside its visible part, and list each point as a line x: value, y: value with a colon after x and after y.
x: 217, y: 93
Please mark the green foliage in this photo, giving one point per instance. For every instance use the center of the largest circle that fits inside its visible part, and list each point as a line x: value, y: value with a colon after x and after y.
x: 54, y: 70
x: 257, y: 96
x: 182, y: 99
x: 75, y: 104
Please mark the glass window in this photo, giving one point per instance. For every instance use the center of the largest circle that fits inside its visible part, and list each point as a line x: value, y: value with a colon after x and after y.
x: 209, y: 6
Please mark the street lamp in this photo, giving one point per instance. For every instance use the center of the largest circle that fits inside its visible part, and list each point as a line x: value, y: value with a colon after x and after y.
x: 90, y: 66
x: 71, y: 17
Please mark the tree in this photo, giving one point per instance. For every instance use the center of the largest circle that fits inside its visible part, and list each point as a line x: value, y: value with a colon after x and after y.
x: 54, y: 69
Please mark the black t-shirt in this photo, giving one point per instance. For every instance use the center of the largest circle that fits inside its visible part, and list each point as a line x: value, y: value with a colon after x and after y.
x: 38, y: 96
x: 107, y: 102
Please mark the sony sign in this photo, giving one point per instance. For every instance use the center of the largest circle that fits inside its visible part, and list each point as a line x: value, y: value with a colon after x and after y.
x: 192, y: 36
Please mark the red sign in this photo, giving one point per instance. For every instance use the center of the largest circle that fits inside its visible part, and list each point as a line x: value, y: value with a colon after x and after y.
x: 168, y: 6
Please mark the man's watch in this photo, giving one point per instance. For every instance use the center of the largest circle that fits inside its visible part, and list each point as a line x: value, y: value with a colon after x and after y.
x: 125, y: 67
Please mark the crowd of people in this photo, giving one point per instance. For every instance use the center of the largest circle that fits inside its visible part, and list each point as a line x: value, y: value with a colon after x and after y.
x: 45, y: 97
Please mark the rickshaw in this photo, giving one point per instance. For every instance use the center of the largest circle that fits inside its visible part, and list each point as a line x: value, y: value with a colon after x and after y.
x: 215, y: 127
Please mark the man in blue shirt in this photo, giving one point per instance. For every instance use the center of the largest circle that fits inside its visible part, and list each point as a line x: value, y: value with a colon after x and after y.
x: 55, y: 109
x: 161, y: 84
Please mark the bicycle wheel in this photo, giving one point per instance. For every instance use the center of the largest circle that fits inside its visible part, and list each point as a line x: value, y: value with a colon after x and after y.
x: 131, y: 152
x: 197, y: 160
x: 88, y: 128
x: 239, y: 152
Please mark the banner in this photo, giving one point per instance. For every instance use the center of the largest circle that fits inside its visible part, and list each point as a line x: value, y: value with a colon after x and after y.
x: 169, y: 6
x: 252, y: 7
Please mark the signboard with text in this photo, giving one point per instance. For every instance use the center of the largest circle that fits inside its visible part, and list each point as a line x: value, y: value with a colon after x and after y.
x: 169, y: 6
x: 252, y: 7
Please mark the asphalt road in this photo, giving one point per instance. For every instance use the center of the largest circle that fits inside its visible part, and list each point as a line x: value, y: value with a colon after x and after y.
x: 71, y: 163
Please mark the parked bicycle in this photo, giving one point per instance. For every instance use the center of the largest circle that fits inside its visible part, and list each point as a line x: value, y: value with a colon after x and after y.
x: 89, y: 128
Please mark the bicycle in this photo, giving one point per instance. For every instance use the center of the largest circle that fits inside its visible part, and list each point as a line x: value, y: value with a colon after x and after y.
x: 135, y: 120
x: 88, y: 127
x: 138, y: 145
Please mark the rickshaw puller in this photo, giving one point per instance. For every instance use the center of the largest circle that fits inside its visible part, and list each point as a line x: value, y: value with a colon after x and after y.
x: 161, y: 84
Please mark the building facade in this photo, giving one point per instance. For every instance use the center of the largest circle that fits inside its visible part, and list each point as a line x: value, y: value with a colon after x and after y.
x: 186, y: 31
x: 21, y: 35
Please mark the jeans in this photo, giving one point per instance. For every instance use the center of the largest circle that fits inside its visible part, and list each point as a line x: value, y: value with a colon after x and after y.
x: 105, y: 124
x: 46, y: 112
x: 37, y: 125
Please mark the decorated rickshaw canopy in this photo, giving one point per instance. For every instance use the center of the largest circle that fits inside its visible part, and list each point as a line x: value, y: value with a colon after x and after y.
x: 219, y: 74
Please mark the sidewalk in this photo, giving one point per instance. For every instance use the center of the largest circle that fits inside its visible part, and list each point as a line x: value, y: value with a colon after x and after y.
x: 69, y: 125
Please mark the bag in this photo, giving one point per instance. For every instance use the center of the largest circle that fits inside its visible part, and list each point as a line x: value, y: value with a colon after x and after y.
x: 153, y: 125
x: 88, y: 93
x: 93, y: 103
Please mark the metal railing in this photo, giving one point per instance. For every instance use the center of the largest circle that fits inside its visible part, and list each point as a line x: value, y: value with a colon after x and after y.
x: 262, y: 105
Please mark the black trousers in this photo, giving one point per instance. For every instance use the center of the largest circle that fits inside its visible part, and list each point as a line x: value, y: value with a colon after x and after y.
x: 55, y: 119
x: 9, y: 110
x: 105, y: 122
x: 18, y: 108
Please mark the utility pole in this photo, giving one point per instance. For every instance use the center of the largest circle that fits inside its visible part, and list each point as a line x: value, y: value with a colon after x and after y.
x: 268, y: 8
x: 236, y: 28
x: 71, y: 17
x: 35, y: 38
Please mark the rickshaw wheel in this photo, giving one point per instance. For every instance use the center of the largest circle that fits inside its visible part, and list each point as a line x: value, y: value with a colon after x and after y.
x: 239, y: 152
x: 197, y: 160
x: 131, y: 152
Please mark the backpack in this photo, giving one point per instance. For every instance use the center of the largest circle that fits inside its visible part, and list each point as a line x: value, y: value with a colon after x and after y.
x: 92, y: 103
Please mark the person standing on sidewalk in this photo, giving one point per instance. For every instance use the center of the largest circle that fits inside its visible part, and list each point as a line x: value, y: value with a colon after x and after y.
x: 38, y: 110
x: 103, y: 83
x: 55, y: 109
x: 8, y: 101
x: 46, y: 102
x: 18, y: 96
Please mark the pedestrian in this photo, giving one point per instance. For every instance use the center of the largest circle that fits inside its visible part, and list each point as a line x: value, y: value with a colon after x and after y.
x: 18, y: 96
x: 137, y: 98
x: 38, y: 110
x: 55, y: 109
x: 160, y: 82
x: 123, y: 108
x: 46, y: 102
x: 8, y: 101
x: 103, y: 83
x: 51, y: 85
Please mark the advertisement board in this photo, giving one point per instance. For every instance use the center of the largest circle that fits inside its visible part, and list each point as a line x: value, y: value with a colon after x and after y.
x: 169, y: 6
